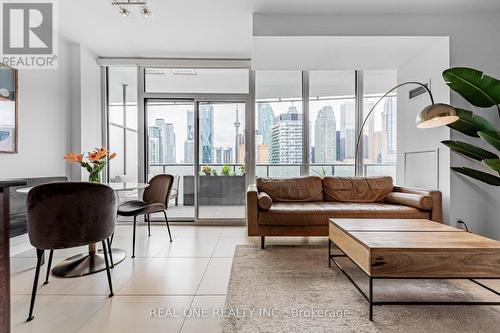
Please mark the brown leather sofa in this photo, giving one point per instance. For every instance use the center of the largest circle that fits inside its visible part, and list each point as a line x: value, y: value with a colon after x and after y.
x: 302, y: 206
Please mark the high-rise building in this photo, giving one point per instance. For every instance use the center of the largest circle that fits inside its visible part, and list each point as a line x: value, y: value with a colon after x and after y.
x: 206, y: 132
x: 368, y: 148
x: 286, y: 138
x: 347, y: 133
x: 325, y: 132
x: 155, y: 151
x: 338, y: 145
x: 167, y: 141
x: 261, y: 150
x: 241, y: 149
x: 237, y: 125
x: 189, y: 142
x: 365, y: 148
x: 389, y: 139
x: 265, y: 119
x: 376, y: 147
x: 227, y: 157
x: 219, y: 152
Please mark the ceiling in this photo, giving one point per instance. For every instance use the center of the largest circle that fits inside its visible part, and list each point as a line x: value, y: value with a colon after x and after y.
x: 338, y: 52
x: 212, y: 28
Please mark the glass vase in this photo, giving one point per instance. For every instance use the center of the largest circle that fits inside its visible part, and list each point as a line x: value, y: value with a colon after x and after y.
x: 95, y: 177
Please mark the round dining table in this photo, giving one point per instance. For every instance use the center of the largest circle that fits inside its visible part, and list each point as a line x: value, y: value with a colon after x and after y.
x: 92, y: 261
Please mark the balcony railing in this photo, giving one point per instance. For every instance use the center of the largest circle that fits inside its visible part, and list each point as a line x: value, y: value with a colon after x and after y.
x: 280, y: 170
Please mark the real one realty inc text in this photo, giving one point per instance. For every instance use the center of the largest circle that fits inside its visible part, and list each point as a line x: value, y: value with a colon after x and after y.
x: 202, y: 312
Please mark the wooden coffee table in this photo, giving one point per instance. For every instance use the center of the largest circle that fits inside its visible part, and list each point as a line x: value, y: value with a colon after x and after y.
x: 413, y: 249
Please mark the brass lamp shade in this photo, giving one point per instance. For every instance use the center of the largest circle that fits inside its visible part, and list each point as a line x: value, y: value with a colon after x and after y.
x: 436, y: 115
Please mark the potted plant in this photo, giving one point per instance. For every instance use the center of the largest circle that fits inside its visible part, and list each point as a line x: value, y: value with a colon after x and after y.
x: 97, y: 159
x: 321, y: 172
x: 482, y: 91
x: 226, y: 170
x: 207, y: 170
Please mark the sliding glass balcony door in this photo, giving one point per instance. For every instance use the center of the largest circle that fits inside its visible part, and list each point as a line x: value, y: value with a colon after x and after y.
x: 221, y: 160
x: 195, y: 130
x: 170, y: 142
x: 209, y: 179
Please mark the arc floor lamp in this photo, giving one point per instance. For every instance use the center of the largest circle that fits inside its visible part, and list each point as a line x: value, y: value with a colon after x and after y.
x: 433, y: 115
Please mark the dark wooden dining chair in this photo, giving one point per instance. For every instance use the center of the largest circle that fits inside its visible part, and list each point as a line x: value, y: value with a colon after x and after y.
x: 69, y: 214
x: 154, y: 200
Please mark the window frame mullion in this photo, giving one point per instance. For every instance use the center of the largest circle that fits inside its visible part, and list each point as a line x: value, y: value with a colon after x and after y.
x: 358, y: 116
x: 304, y: 170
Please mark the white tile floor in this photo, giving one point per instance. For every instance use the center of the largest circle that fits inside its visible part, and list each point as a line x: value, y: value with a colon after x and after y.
x: 182, y: 281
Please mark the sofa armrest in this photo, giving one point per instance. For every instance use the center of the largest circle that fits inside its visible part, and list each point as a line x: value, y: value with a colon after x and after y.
x: 252, y: 210
x: 437, y: 200
x: 419, y: 201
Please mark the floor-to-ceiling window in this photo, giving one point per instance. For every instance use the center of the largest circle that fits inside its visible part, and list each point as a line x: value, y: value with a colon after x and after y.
x: 380, y: 133
x: 331, y: 122
x: 221, y: 160
x: 278, y: 123
x: 195, y: 130
x: 170, y: 133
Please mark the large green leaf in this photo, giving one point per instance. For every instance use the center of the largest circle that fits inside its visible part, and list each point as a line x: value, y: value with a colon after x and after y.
x: 479, y: 175
x: 493, y: 164
x: 469, y: 150
x: 477, y: 88
x: 492, y: 137
x: 469, y: 123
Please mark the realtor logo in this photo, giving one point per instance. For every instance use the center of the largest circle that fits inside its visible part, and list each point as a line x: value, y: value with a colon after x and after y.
x: 28, y: 34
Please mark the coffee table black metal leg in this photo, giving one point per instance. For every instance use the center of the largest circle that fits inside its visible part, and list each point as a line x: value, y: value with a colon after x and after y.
x: 370, y: 297
x: 329, y: 253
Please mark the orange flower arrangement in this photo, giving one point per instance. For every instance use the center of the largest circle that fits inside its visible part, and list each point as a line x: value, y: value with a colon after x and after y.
x: 97, y: 160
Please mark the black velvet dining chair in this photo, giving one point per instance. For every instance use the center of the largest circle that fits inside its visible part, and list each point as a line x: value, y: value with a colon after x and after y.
x: 154, y: 200
x: 69, y: 214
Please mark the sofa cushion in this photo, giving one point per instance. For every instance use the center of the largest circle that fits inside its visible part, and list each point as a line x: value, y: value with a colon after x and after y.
x: 357, y: 189
x: 318, y: 213
x: 419, y: 201
x: 299, y: 189
x: 265, y: 201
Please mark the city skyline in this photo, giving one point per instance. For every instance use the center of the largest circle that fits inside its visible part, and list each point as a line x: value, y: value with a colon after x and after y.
x: 332, y: 135
x: 181, y: 115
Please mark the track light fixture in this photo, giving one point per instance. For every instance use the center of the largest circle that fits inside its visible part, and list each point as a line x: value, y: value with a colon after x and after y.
x: 123, y: 4
x: 146, y: 12
x: 124, y: 12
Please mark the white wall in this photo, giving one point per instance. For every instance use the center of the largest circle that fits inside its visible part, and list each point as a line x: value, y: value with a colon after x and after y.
x: 59, y: 111
x: 85, y: 114
x: 74, y: 112
x: 426, y: 67
x: 473, y: 43
x: 90, y: 107
x: 44, y: 102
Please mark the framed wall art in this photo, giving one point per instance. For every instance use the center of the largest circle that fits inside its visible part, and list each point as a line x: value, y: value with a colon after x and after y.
x: 8, y: 110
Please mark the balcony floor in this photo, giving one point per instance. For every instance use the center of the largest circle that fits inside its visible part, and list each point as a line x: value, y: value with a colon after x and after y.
x: 210, y: 212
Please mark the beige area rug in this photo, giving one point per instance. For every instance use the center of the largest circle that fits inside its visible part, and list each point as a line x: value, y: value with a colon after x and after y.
x: 292, y: 289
